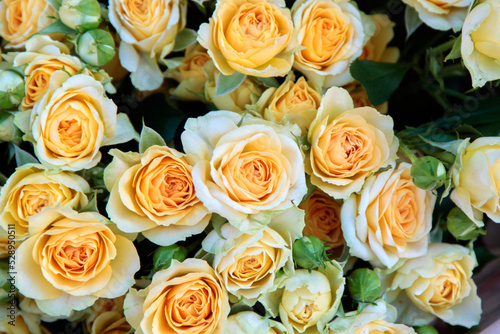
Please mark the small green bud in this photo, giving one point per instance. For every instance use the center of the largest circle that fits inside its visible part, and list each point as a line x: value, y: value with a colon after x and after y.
x: 428, y: 173
x: 96, y: 47
x: 426, y: 330
x: 364, y: 286
x: 11, y: 89
x: 461, y: 227
x: 164, y: 255
x: 309, y: 253
x: 80, y: 14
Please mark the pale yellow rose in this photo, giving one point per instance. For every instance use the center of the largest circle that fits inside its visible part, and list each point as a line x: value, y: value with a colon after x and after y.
x: 111, y: 323
x: 254, y: 37
x: 19, y: 19
x: 331, y: 35
x: 185, y: 298
x: 441, y: 14
x: 246, y: 167
x: 31, y: 188
x: 322, y: 218
x: 4, y: 244
x: 249, y: 323
x: 376, y: 318
x: 481, y: 42
x: 153, y: 193
x: 348, y: 144
x: 477, y: 183
x: 437, y: 284
x: 248, y: 264
x: 71, y: 259
x: 390, y: 219
x: 190, y: 73
x: 360, y: 98
x: 376, y: 48
x: 29, y: 306
x: 147, y: 30
x: 71, y: 122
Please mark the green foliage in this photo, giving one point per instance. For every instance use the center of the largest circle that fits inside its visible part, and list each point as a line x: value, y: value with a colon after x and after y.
x: 461, y: 227
x: 149, y: 137
x: 227, y: 83
x: 309, y: 253
x: 364, y: 286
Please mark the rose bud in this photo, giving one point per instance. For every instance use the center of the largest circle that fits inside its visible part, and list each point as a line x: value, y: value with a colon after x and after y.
x: 309, y: 253
x: 11, y: 89
x: 80, y: 14
x: 428, y: 173
x: 96, y: 47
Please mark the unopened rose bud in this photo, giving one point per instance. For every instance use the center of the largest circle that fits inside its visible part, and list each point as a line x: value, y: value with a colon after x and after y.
x: 309, y: 253
x: 364, y: 286
x: 428, y: 173
x: 80, y: 14
x: 96, y: 47
x: 11, y: 89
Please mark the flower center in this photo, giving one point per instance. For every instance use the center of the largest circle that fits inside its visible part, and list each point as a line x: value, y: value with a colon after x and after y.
x: 70, y: 132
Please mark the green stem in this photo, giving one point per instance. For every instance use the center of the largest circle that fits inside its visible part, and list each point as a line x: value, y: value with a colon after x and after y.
x: 442, y: 48
x: 408, y: 152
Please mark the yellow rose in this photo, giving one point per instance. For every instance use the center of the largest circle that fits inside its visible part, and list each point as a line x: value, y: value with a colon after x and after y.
x: 477, y: 183
x: 332, y: 36
x: 437, y: 284
x: 360, y: 98
x: 248, y: 322
x: 443, y: 14
x: 185, y: 298
x: 4, y: 244
x: 246, y: 167
x: 376, y: 48
x: 190, y: 73
x: 153, y: 193
x: 19, y: 19
x: 348, y: 144
x: 147, y: 30
x: 254, y: 37
x: 31, y: 188
x: 389, y: 220
x: 481, y: 43
x: 247, y: 264
x: 111, y: 323
x: 71, y: 259
x: 322, y: 218
x: 71, y: 122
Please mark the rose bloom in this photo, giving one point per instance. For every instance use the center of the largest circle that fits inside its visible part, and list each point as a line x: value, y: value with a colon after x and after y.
x: 390, y: 219
x: 31, y: 188
x: 376, y: 48
x: 248, y: 322
x: 246, y: 168
x: 437, y: 284
x: 247, y: 264
x: 71, y: 121
x: 111, y: 323
x: 481, y: 43
x: 153, y: 193
x: 294, y: 102
x: 477, y: 184
x: 71, y: 259
x: 184, y: 298
x: 190, y: 73
x: 254, y: 37
x: 147, y: 31
x: 331, y: 35
x: 322, y: 218
x: 443, y: 14
x: 348, y: 144
x: 19, y: 19
x: 374, y: 318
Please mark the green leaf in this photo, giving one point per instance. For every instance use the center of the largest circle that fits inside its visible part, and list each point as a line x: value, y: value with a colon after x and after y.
x: 149, y: 137
x: 450, y: 146
x: 268, y: 82
x: 455, y: 52
x: 23, y: 157
x: 3, y: 179
x: 89, y: 7
x: 426, y: 330
x: 91, y: 205
x: 57, y: 26
x: 461, y: 227
x: 55, y: 3
x: 412, y: 21
x: 364, y: 285
x: 163, y: 256
x: 184, y: 39
x: 379, y: 79
x: 227, y: 83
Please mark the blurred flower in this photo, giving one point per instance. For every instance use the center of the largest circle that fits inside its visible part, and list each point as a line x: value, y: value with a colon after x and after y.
x: 441, y: 15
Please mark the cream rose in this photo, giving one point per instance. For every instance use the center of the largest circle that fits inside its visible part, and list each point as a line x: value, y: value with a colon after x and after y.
x: 249, y: 323
x: 254, y: 37
x: 389, y: 220
x: 332, y: 35
x: 247, y: 167
x: 19, y: 19
x: 71, y: 259
x: 481, y: 44
x: 376, y: 48
x: 247, y: 264
x: 33, y: 187
x: 477, y: 183
x: 147, y: 30
x: 153, y: 193
x: 436, y: 284
x: 347, y: 144
x: 185, y: 298
x: 71, y: 122
x: 374, y: 318
x: 322, y: 218
x: 441, y: 14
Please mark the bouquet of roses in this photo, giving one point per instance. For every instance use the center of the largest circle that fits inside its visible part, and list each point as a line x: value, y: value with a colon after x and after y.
x: 246, y: 166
